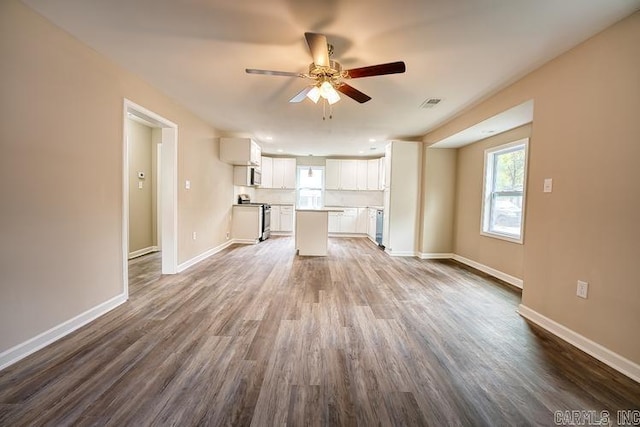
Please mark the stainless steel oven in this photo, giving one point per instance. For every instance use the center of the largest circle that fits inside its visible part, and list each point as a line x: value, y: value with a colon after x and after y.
x: 266, y: 221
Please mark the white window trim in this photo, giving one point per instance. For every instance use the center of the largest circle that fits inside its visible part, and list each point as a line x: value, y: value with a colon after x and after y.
x: 488, y: 152
x: 298, y: 187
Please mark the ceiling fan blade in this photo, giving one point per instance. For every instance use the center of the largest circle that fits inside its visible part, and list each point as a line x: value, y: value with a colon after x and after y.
x: 318, y: 48
x: 353, y: 93
x: 301, y: 95
x: 273, y: 73
x: 377, y: 70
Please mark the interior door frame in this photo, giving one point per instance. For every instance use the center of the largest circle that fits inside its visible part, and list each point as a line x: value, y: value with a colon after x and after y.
x: 168, y: 194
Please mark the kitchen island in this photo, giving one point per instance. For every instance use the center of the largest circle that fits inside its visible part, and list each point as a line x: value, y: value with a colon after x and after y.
x: 312, y: 231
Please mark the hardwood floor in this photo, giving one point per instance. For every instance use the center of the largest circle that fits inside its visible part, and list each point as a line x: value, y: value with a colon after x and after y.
x: 257, y: 336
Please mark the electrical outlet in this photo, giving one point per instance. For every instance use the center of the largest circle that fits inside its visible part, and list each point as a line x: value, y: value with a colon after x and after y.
x: 187, y: 185
x: 194, y: 235
x: 583, y: 289
x: 227, y: 235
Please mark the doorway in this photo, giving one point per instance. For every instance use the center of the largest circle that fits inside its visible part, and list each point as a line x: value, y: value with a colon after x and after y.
x: 165, y: 139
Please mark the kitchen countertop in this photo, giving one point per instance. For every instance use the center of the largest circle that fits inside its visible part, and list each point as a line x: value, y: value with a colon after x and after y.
x: 345, y: 207
x: 325, y: 209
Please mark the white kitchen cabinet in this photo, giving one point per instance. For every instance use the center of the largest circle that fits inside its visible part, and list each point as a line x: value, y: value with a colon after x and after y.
x: 343, y: 222
x: 286, y: 218
x: 341, y: 174
x: 278, y: 173
x: 266, y: 166
x: 282, y: 218
x: 334, y: 222
x: 332, y: 177
x: 373, y: 174
x: 348, y: 174
x: 348, y: 220
x: 284, y: 173
x: 275, y: 218
x: 401, y: 197
x: 246, y: 223
x: 361, y: 221
x: 362, y: 175
x: 240, y: 151
x: 382, y: 174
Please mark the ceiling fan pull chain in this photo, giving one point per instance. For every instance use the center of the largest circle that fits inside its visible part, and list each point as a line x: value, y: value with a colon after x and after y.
x: 330, y: 111
x: 324, y: 108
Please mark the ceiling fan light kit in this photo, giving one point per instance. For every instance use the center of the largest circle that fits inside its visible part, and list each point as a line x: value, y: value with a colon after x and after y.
x: 328, y: 75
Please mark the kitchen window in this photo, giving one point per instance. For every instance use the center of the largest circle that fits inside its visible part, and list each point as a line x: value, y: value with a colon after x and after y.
x: 505, y: 174
x: 310, y: 187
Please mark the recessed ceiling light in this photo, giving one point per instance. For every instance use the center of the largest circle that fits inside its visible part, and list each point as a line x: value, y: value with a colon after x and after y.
x: 279, y: 150
x: 360, y: 151
x: 269, y: 138
x: 372, y: 140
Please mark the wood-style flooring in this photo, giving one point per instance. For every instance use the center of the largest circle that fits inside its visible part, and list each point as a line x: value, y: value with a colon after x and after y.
x: 255, y: 335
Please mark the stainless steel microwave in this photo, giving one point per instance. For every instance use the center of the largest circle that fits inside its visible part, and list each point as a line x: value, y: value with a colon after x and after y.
x: 246, y: 176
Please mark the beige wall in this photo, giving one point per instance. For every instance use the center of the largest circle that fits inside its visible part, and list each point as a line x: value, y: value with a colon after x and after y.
x: 501, y: 255
x: 438, y: 200
x: 61, y: 172
x: 585, y: 136
x: 142, y: 232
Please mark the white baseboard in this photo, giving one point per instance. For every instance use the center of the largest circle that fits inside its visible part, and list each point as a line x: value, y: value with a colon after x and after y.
x: 193, y: 261
x: 489, y: 270
x: 347, y: 235
x: 400, y: 253
x: 617, y: 362
x: 427, y: 255
x: 143, y: 251
x: 22, y: 350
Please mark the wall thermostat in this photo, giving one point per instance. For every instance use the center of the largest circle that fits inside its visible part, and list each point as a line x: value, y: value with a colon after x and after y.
x: 141, y: 175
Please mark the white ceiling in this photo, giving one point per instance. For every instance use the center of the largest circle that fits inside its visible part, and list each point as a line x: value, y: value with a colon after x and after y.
x: 196, y: 51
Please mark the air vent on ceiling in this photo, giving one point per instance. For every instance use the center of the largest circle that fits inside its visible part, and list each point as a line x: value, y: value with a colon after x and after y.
x: 430, y: 103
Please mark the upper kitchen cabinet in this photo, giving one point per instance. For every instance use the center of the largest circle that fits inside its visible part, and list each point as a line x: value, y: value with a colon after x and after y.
x: 266, y: 167
x: 341, y: 174
x: 284, y: 173
x: 240, y: 151
x: 279, y: 173
x: 350, y: 174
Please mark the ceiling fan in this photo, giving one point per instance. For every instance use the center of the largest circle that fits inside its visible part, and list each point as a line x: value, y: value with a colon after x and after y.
x: 328, y: 76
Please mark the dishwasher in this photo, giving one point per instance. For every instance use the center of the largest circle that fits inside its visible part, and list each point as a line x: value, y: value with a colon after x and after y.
x: 379, y: 225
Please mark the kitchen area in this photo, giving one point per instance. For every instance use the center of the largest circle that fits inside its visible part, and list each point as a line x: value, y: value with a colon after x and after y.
x: 272, y: 192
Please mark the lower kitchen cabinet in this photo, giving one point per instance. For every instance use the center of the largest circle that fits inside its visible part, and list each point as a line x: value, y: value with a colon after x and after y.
x: 361, y: 221
x: 246, y: 223
x: 282, y: 218
x: 286, y: 218
x: 347, y: 221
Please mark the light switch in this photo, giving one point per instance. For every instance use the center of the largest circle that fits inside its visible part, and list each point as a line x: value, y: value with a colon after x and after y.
x: 187, y: 184
x: 548, y: 185
x: 140, y: 185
